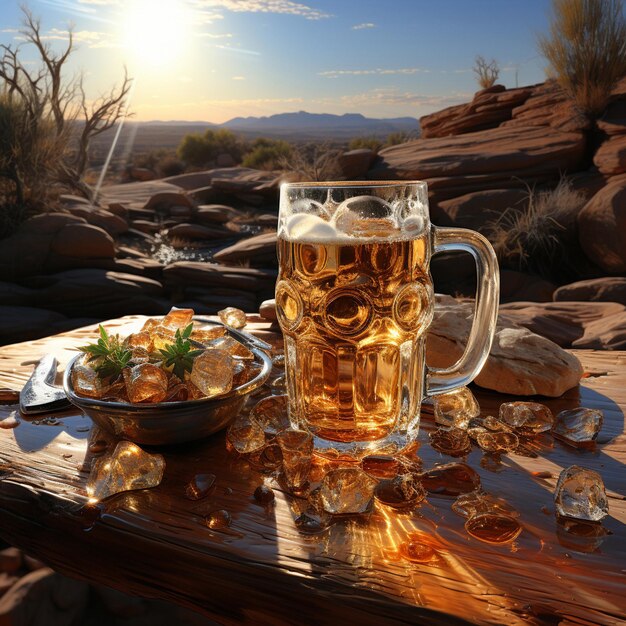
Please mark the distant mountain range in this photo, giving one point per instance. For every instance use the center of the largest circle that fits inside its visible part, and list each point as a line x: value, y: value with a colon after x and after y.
x: 303, y: 125
x: 141, y: 137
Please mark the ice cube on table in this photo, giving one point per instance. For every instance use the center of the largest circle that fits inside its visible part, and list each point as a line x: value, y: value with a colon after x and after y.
x: 580, y: 494
x: 245, y: 436
x: 127, y: 468
x: 455, y: 408
x: 578, y: 427
x: 529, y: 416
x: 347, y: 491
x: 271, y: 414
x: 234, y: 317
x: 297, y: 451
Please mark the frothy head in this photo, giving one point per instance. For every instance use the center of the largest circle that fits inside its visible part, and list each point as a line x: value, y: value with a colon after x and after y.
x: 389, y: 212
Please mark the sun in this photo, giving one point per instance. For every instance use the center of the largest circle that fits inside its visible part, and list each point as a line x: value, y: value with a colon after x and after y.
x: 156, y: 32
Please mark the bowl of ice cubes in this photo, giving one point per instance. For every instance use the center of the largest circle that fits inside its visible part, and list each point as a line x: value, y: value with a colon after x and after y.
x: 167, y: 384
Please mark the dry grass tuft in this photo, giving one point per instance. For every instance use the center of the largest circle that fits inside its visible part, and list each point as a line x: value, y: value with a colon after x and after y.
x: 586, y: 50
x: 541, y: 238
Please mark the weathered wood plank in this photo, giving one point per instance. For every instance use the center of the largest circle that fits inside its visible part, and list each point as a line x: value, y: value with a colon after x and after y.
x: 263, y: 570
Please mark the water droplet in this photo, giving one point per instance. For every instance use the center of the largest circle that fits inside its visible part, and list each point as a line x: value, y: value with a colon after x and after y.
x: 200, y: 486
x: 264, y: 494
x: 308, y: 523
x: 218, y: 519
x: 417, y: 552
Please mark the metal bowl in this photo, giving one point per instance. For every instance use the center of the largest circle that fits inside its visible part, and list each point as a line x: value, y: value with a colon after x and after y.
x: 167, y: 423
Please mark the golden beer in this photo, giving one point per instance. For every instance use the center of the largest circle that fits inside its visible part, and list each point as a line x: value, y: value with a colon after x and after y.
x: 353, y: 315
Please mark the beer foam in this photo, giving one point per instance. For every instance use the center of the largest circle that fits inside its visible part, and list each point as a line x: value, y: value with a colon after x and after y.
x: 309, y: 228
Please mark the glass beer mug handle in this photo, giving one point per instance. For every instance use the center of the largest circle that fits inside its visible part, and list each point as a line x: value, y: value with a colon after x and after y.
x: 485, y: 316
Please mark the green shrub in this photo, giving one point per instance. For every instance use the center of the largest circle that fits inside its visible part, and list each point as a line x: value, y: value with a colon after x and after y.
x: 267, y: 154
x: 201, y: 149
x: 586, y: 50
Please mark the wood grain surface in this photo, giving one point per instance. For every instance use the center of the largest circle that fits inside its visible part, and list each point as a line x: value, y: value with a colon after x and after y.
x: 263, y: 570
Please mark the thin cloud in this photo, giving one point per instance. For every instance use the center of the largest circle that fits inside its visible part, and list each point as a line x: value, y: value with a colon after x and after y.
x: 379, y: 71
x: 239, y: 78
x: 394, y: 97
x: 93, y: 39
x: 363, y: 26
x: 215, y: 35
x: 237, y: 50
x: 287, y: 7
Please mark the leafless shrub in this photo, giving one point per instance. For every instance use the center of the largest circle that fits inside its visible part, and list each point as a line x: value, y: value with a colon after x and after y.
x: 315, y: 162
x: 486, y: 72
x: 46, y: 123
x: 586, y: 49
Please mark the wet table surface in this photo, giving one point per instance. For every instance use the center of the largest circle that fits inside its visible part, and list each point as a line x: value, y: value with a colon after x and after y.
x: 263, y: 570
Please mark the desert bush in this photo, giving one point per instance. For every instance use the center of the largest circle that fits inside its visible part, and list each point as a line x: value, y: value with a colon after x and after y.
x: 395, y: 139
x: 169, y: 166
x: 46, y: 125
x: 314, y: 162
x: 487, y: 72
x: 201, y: 149
x: 267, y: 154
x: 371, y: 143
x: 541, y: 238
x: 586, y: 49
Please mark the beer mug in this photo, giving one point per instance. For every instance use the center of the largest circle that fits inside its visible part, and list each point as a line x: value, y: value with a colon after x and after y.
x: 354, y: 299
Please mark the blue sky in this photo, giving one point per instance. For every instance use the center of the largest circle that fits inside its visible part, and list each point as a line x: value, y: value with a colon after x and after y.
x: 216, y: 59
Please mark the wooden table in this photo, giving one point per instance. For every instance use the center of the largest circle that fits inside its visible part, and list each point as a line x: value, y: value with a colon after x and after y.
x: 262, y: 570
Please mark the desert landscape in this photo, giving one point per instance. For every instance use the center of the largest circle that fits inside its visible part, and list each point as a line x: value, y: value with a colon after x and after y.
x: 103, y: 216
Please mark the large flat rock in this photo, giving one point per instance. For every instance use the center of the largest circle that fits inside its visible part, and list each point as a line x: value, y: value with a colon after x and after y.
x: 496, y: 154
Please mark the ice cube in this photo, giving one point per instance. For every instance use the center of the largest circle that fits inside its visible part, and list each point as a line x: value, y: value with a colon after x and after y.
x: 452, y: 479
x: 578, y: 427
x: 245, y: 436
x: 456, y: 408
x: 309, y: 228
x: 454, y: 442
x: 477, y: 502
x: 401, y: 492
x: 497, y: 441
x: 204, y: 335
x: 297, y: 452
x: 141, y: 339
x: 86, y: 382
x: 580, y: 494
x: 139, y: 355
x: 236, y: 349
x: 529, y: 416
x: 495, y: 425
x: 271, y: 413
x: 212, y: 372
x: 177, y: 319
x: 128, y: 467
x: 347, y: 491
x: 146, y: 382
x: 233, y: 317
